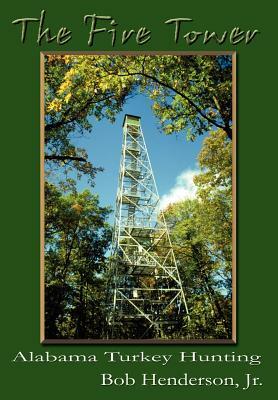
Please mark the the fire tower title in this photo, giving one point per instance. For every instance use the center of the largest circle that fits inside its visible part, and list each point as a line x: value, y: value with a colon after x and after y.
x: 98, y: 26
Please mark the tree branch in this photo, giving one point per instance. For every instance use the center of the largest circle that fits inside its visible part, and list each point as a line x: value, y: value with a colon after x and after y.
x: 197, y: 108
x: 89, y: 102
x: 227, y: 129
x: 64, y: 158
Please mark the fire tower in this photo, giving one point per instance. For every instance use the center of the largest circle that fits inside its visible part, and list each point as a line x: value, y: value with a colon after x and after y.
x: 146, y: 295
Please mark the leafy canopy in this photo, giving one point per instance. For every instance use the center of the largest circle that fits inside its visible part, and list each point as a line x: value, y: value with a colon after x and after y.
x: 188, y: 92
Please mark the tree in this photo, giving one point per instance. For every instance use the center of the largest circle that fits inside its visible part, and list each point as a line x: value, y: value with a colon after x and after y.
x: 214, y: 185
x: 189, y: 92
x: 201, y: 232
x: 77, y: 238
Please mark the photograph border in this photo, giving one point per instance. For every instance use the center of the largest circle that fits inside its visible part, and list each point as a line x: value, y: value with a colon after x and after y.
x: 233, y: 340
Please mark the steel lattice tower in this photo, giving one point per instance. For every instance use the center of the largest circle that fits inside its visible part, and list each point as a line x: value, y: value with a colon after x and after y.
x: 146, y: 295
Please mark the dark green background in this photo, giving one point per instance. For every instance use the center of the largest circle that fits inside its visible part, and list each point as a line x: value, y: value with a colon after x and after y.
x: 256, y: 233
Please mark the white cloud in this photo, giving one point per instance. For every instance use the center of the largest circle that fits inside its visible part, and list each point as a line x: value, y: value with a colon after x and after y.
x: 184, y: 188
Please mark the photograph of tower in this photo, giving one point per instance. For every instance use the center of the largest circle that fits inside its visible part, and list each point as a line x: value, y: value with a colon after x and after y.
x: 146, y: 289
x: 138, y: 198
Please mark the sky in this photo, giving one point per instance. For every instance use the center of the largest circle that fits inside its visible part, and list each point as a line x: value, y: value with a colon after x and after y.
x: 173, y: 158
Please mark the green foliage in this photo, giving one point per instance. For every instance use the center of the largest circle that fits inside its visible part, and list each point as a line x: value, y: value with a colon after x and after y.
x: 215, y: 193
x: 201, y: 232
x: 191, y: 93
x: 76, y: 239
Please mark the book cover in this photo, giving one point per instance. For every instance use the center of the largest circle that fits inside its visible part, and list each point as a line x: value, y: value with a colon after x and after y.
x: 47, y: 348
